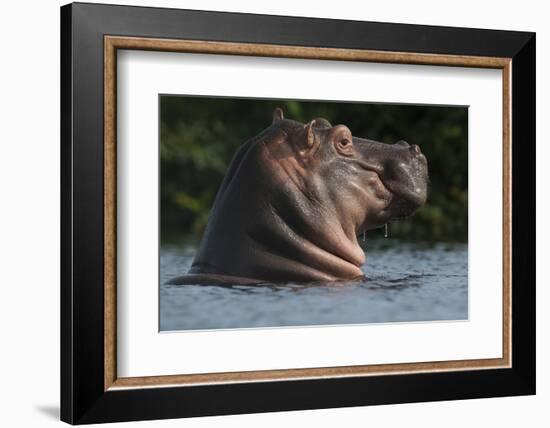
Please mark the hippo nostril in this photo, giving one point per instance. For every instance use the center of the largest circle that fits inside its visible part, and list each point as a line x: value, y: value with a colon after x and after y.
x: 415, y: 149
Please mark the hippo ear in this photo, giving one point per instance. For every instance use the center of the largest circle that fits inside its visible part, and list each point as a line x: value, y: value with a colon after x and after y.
x: 278, y: 115
x: 309, y: 136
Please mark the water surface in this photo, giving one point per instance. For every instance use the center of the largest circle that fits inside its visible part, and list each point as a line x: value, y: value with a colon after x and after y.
x: 404, y: 282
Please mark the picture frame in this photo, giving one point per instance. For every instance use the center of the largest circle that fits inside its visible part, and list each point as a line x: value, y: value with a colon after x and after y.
x: 91, y: 390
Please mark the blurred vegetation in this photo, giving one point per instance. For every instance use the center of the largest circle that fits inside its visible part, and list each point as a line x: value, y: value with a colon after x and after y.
x: 199, y: 136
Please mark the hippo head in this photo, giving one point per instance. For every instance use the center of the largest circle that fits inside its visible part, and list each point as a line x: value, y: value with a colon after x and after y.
x: 295, y: 198
x: 366, y: 182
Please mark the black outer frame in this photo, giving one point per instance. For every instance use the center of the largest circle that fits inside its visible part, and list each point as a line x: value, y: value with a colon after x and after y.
x: 83, y: 399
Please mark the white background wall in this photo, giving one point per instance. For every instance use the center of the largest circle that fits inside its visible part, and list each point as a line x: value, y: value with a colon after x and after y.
x: 29, y: 213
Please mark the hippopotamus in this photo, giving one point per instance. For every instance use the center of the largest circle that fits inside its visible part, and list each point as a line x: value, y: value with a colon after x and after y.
x: 295, y: 199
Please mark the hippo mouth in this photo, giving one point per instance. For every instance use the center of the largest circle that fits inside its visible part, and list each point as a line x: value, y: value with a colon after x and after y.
x: 404, y: 185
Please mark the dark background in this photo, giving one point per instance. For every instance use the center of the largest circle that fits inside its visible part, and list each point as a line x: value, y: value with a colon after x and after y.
x: 199, y: 136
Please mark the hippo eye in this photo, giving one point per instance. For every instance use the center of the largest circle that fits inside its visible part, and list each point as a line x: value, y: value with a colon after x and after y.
x: 344, y: 145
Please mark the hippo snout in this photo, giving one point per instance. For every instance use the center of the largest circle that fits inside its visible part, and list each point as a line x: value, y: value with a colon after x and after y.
x: 402, y: 168
x: 406, y: 175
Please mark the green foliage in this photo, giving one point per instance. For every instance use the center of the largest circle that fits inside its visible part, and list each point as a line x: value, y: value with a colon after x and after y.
x: 199, y: 136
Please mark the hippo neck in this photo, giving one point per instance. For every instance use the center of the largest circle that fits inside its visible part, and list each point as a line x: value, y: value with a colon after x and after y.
x: 304, y: 220
x: 263, y: 225
x: 310, y: 239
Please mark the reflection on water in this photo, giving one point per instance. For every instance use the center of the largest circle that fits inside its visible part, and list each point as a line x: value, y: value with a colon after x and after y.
x: 404, y: 282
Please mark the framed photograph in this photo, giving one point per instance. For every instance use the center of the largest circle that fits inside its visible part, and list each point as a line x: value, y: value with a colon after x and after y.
x: 266, y: 213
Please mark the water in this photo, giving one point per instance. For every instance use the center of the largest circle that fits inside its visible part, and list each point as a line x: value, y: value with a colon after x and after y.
x: 405, y: 282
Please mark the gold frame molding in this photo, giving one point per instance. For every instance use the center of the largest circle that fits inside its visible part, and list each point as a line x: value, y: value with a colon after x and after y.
x: 113, y: 43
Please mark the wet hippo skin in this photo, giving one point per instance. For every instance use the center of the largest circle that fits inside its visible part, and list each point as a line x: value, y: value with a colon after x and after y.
x: 294, y: 200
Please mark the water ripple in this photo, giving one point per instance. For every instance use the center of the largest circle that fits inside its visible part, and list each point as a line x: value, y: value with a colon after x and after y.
x: 405, y: 282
